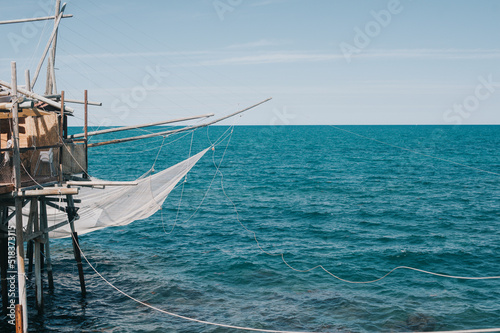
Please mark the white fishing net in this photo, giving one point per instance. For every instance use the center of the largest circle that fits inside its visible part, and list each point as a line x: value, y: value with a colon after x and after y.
x: 121, y: 205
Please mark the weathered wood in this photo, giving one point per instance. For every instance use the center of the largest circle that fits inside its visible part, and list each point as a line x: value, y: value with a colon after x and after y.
x: 34, y: 19
x: 61, y: 121
x: 19, y: 318
x: 24, y: 113
x: 48, y: 191
x: 184, y: 129
x: 86, y: 115
x: 15, y: 129
x: 48, y: 199
x: 51, y: 70
x: 74, y: 158
x: 38, y: 257
x: 29, y: 254
x: 21, y: 277
x: 125, y: 128
x: 100, y: 183
x: 4, y: 93
x: 45, y: 232
x: 6, y: 188
x: 27, y: 79
x: 37, y: 96
x: 44, y: 54
x: 23, y: 105
x: 83, y: 102
x: 4, y: 245
x: 76, y: 247
x: 61, y: 135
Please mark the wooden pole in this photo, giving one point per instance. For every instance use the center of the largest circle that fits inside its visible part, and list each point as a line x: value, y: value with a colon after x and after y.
x: 184, y: 129
x: 52, y: 36
x: 34, y: 19
x: 19, y: 319
x: 27, y: 79
x: 30, y: 256
x: 85, y: 127
x: 4, y: 247
x: 44, y: 227
x: 21, y: 276
x: 86, y: 134
x: 29, y: 230
x: 61, y: 134
x: 36, y: 96
x: 71, y: 210
x: 62, y: 117
x: 126, y: 128
x: 38, y: 257
x: 51, y: 77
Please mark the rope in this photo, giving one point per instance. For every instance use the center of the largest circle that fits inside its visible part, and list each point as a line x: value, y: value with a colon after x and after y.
x: 180, y: 199
x: 213, y: 178
x: 227, y: 325
x: 282, y: 255
x: 171, y: 313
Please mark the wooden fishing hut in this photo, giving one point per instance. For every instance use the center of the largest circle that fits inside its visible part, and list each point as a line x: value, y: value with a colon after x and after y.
x: 42, y: 166
x: 37, y: 159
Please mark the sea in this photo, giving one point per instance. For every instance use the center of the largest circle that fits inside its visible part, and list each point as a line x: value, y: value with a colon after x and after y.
x: 277, y: 226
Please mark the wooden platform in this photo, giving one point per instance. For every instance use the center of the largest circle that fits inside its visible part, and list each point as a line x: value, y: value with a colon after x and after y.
x: 6, y: 188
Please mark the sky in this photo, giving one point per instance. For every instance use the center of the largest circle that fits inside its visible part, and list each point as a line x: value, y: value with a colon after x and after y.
x: 340, y: 62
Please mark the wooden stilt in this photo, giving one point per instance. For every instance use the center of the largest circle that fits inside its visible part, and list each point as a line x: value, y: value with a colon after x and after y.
x: 4, y: 248
x: 44, y: 226
x: 76, y: 248
x: 21, y: 275
x: 38, y: 258
x: 29, y: 229
x: 29, y: 254
x: 3, y: 263
x: 78, y: 258
x: 42, y: 251
x: 19, y: 319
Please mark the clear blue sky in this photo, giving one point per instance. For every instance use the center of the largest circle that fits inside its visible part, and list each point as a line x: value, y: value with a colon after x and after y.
x: 322, y: 61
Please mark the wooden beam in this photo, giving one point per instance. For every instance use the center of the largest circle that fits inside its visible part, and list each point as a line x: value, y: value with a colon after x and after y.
x: 37, y: 96
x: 184, y: 129
x: 50, y: 86
x: 23, y: 113
x: 44, y: 54
x: 100, y: 183
x: 83, y: 102
x: 34, y: 19
x: 23, y: 105
x: 125, y: 128
x: 6, y: 188
x: 48, y: 191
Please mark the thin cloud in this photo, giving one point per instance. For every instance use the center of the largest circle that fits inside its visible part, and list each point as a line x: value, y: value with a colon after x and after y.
x: 240, y: 56
x: 437, y: 54
x: 256, y: 44
x: 266, y: 3
x: 284, y: 57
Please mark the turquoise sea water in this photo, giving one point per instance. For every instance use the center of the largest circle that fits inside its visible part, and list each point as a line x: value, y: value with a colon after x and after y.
x: 316, y: 194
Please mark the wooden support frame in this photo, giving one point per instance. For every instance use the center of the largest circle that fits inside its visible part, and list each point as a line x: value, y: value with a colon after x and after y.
x: 21, y: 276
x: 76, y: 246
x: 45, y: 233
